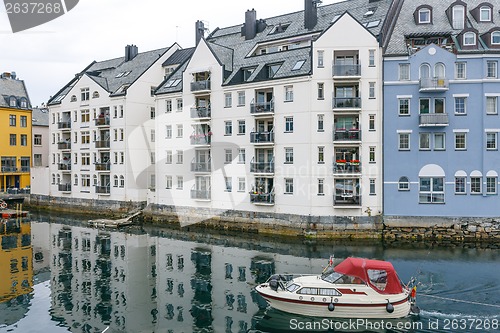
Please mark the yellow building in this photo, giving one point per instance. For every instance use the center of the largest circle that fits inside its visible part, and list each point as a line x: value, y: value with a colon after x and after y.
x: 15, y: 133
x: 16, y: 260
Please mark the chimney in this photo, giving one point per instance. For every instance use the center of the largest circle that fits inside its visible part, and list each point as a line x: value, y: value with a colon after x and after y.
x: 250, y: 28
x: 130, y: 52
x: 311, y: 13
x: 200, y: 31
x: 13, y: 75
x: 5, y: 75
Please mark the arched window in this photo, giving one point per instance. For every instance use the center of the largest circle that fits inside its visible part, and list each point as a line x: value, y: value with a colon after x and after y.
x: 425, y: 71
x: 424, y: 16
x: 76, y: 180
x: 495, y: 37
x: 439, y: 70
x: 12, y: 101
x: 458, y: 17
x: 115, y: 181
x: 95, y: 180
x: 469, y: 38
x: 485, y: 14
x: 122, y: 181
x: 24, y: 102
x: 53, y: 179
x: 58, y: 179
x: 403, y: 184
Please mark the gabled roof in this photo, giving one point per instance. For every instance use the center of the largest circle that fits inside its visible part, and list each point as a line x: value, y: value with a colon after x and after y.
x: 182, y: 59
x: 406, y: 26
x: 179, y: 57
x: 113, y: 74
x: 12, y: 87
x: 364, y: 11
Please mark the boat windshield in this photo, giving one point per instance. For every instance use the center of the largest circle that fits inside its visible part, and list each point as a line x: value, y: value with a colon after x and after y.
x: 329, y: 275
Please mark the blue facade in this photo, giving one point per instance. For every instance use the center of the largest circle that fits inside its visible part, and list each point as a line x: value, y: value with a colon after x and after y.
x: 445, y: 176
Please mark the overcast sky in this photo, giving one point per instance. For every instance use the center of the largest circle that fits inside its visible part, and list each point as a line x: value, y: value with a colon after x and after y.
x: 48, y: 56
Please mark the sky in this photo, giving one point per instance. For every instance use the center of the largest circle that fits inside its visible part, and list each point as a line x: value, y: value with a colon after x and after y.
x: 48, y: 56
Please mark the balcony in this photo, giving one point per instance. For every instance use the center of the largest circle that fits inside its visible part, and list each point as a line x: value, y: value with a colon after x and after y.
x: 102, y: 144
x: 102, y: 121
x: 6, y: 169
x: 262, y: 137
x: 200, y: 85
x: 64, y: 125
x: 433, y: 85
x: 201, y: 112
x: 64, y: 187
x: 102, y: 166
x: 347, y: 102
x: 262, y: 198
x: 348, y: 71
x: 201, y: 194
x: 346, y: 167
x: 342, y: 134
x: 433, y: 120
x: 64, y: 145
x: 262, y: 107
x: 64, y: 166
x: 201, y: 139
x: 201, y: 166
x: 346, y: 199
x: 102, y: 189
x: 262, y: 167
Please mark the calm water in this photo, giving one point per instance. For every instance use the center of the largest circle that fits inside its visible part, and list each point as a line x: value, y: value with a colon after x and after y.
x: 57, y: 275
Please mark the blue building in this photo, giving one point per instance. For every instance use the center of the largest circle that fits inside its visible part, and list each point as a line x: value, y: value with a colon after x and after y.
x: 441, y: 121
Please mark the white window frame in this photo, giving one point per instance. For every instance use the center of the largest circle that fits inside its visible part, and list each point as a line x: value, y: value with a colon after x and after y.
x: 404, y: 72
x: 494, y: 142
x: 491, y: 105
x: 466, y: 38
x: 460, y: 73
x: 288, y: 186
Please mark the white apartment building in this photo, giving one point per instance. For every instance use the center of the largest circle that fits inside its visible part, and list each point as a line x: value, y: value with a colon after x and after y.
x: 102, y: 129
x: 277, y: 116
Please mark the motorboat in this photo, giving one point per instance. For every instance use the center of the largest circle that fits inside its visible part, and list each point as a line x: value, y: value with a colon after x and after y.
x: 355, y: 288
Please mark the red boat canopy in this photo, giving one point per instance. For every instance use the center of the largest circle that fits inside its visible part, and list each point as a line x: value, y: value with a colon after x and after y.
x: 379, y: 274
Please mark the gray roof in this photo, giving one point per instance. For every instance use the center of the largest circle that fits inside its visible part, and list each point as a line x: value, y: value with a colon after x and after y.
x: 179, y: 56
x: 12, y: 87
x: 441, y: 26
x: 40, y: 117
x: 107, y: 73
x: 231, y: 38
x: 176, y: 76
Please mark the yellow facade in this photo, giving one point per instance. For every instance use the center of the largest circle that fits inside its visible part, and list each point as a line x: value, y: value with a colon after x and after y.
x: 15, y: 158
x: 16, y: 260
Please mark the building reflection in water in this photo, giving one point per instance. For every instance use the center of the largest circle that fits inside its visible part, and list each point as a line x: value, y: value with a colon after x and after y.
x: 16, y: 269
x: 144, y: 283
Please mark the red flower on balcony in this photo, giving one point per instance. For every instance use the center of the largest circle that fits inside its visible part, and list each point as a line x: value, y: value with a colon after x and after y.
x: 341, y: 161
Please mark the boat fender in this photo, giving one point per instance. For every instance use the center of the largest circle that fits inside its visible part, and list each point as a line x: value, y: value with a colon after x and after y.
x: 331, y: 307
x: 389, y: 307
x: 414, y: 309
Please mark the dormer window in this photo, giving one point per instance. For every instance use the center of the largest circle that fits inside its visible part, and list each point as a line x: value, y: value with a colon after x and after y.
x: 495, y: 38
x: 13, y: 101
x: 279, y: 28
x: 458, y: 17
x: 469, y: 39
x: 24, y: 103
x: 247, y: 72
x: 424, y: 16
x: 272, y: 69
x: 485, y: 14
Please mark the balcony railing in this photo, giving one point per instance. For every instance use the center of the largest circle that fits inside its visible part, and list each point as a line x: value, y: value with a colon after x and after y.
x: 102, y: 166
x: 64, y: 166
x: 346, y: 199
x: 201, y: 139
x: 9, y: 169
x: 262, y: 137
x: 201, y: 112
x: 102, y: 121
x: 200, y: 85
x: 64, y: 145
x: 102, y: 144
x: 346, y: 167
x: 201, y: 194
x: 64, y: 187
x: 262, y: 198
x: 262, y: 107
x: 433, y: 119
x: 346, y: 70
x: 346, y: 102
x: 64, y: 125
x: 342, y: 134
x: 201, y: 166
x: 434, y: 84
x: 262, y: 167
x: 102, y: 189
